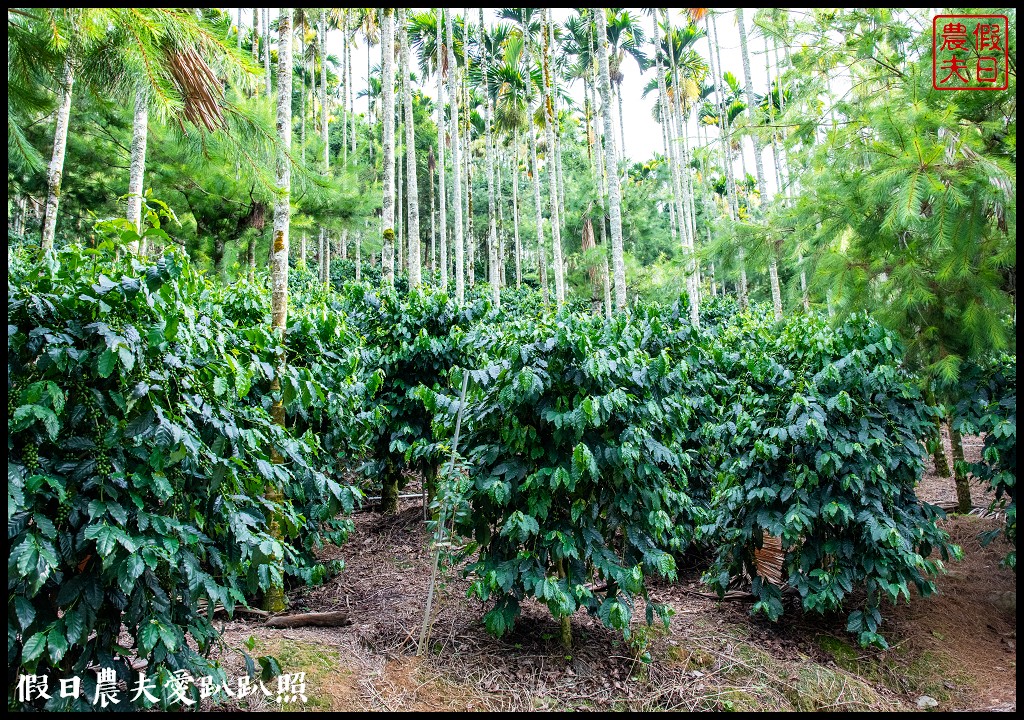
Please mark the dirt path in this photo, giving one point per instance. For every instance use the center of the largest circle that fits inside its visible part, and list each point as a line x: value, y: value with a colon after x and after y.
x: 958, y: 647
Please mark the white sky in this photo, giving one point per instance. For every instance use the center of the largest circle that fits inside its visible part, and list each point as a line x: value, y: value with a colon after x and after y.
x: 643, y: 134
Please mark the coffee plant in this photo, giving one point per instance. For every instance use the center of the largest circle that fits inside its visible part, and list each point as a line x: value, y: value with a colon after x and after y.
x: 139, y: 456
x: 411, y: 341
x: 576, y: 441
x: 821, y: 446
x: 989, y: 407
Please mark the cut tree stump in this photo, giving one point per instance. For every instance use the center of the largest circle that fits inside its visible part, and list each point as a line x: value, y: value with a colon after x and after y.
x: 320, y: 619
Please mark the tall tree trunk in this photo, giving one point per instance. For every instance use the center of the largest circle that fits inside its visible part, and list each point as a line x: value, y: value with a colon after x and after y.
x: 266, y: 49
x: 711, y: 25
x: 302, y: 99
x: 55, y: 172
x: 677, y: 159
x: 239, y: 31
x: 273, y: 599
x: 622, y: 125
x: 467, y: 129
x: 614, y: 192
x: 492, y: 233
x: 387, y: 56
x: 324, y: 115
x: 140, y: 129
x: 442, y: 189
x: 351, y: 91
x: 963, y: 485
x: 400, y: 218
x: 412, y: 230
x: 542, y: 259
x: 549, y: 129
x: 773, y: 265
x: 256, y: 36
x: 597, y: 159
x: 515, y: 212
x: 453, y: 119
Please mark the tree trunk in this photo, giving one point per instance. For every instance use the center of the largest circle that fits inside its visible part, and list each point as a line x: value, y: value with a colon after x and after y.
x: 140, y: 127
x: 515, y: 212
x: 55, y: 172
x: 442, y: 189
x: 453, y: 118
x: 542, y: 262
x: 492, y: 234
x: 711, y: 25
x: 239, y: 31
x: 963, y: 485
x: 773, y: 265
x: 389, y: 491
x: 470, y: 242
x: 677, y: 159
x: 614, y: 193
x: 266, y: 48
x: 549, y: 129
x: 351, y: 91
x: 324, y: 115
x: 387, y: 55
x: 400, y: 182
x: 412, y: 229
x: 256, y: 36
x: 622, y: 125
x: 274, y: 600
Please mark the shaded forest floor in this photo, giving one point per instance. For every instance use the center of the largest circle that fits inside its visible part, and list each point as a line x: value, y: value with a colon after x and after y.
x: 958, y: 647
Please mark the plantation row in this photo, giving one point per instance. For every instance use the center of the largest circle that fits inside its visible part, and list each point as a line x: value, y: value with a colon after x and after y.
x: 147, y: 482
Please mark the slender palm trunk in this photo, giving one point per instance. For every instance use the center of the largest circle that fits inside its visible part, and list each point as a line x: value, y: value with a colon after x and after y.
x: 350, y: 90
x: 140, y: 130
x: 323, y: 92
x: 711, y: 25
x: 542, y: 261
x: 302, y: 100
x: 589, y: 81
x: 773, y: 265
x: 274, y: 600
x: 239, y: 38
x: 492, y: 234
x: 55, y: 172
x: 549, y: 129
x: 453, y: 119
x: 614, y: 192
x: 266, y: 49
x: 387, y: 56
x: 675, y: 120
x: 515, y: 211
x: 412, y: 229
x: 256, y: 37
x: 443, y: 200
x: 470, y: 240
x: 622, y: 125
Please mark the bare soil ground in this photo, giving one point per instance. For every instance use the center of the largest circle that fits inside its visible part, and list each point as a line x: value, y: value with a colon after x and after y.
x: 958, y: 646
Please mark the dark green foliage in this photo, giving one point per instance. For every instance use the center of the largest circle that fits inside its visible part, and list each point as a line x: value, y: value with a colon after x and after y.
x: 139, y: 447
x: 574, y: 438
x: 989, y: 407
x: 412, y: 340
x: 821, y: 445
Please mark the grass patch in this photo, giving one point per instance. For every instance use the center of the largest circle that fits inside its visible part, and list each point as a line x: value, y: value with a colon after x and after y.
x: 329, y: 684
